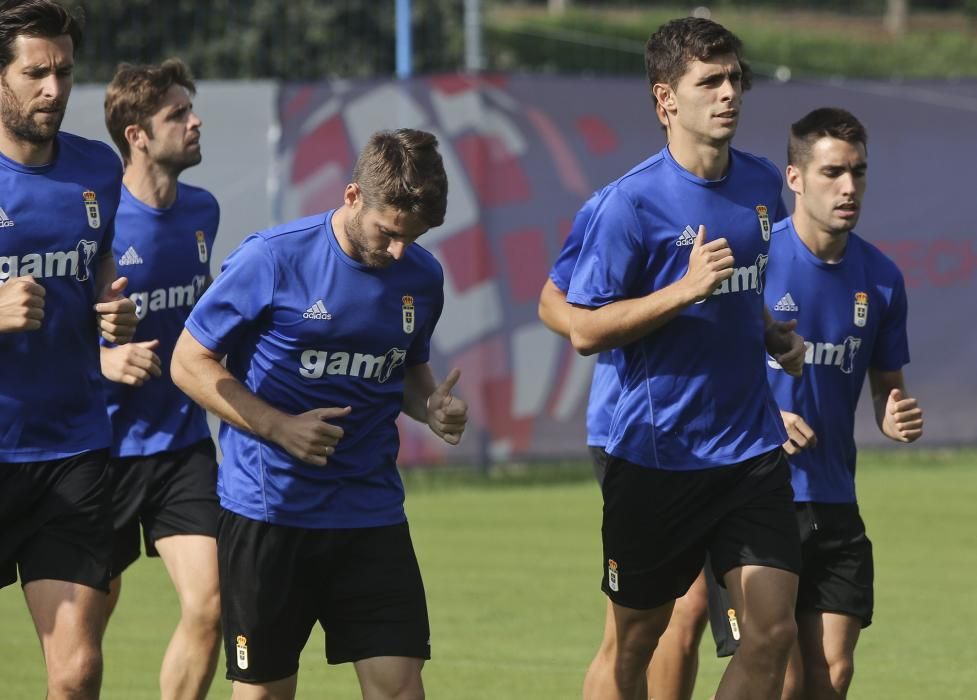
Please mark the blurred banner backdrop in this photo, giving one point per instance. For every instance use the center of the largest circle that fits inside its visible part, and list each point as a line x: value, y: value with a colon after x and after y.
x: 523, y: 153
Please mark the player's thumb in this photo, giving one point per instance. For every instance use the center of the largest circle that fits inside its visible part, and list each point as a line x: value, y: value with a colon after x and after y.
x: 896, y: 395
x: 327, y: 413
x: 449, y: 382
x: 788, y: 325
x: 700, y: 237
x: 149, y: 344
x: 115, y: 289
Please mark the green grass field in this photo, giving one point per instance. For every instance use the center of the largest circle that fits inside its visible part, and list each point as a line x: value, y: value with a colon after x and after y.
x: 511, y: 567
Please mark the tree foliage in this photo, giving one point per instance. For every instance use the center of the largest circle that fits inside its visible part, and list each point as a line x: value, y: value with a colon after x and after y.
x: 292, y: 40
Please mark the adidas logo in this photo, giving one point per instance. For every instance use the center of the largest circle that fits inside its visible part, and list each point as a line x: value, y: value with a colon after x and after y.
x: 687, y: 237
x: 130, y: 257
x: 317, y: 311
x: 786, y: 303
x: 5, y: 221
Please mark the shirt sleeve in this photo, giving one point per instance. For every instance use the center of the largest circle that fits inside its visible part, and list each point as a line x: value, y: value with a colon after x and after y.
x: 242, y: 292
x: 891, y: 349
x: 562, y: 269
x: 612, y: 255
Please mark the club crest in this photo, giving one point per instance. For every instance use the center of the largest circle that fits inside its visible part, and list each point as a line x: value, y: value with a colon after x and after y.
x: 861, y: 309
x: 201, y: 246
x: 761, y: 212
x: 91, y: 209
x: 408, y: 313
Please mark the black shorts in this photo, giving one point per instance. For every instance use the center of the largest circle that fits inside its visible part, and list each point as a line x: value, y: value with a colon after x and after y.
x: 362, y: 585
x: 56, y: 520
x: 169, y: 493
x: 659, y: 525
x: 837, y: 570
x: 599, y: 459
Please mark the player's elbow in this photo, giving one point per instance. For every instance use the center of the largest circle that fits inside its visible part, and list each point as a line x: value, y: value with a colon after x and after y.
x: 552, y: 320
x: 584, y: 343
x: 584, y: 332
x: 182, y: 366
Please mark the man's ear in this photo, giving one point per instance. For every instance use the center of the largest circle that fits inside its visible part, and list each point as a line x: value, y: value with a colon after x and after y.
x: 352, y: 195
x: 664, y: 96
x: 795, y: 179
x: 136, y: 137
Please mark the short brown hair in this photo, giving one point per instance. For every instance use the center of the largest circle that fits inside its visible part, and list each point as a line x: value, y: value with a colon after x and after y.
x: 674, y: 45
x: 827, y: 121
x: 35, y: 18
x: 402, y: 169
x: 135, y: 94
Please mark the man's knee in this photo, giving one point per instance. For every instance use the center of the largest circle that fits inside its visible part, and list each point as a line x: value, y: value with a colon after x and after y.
x: 773, y: 639
x: 404, y: 687
x: 688, y: 622
x: 202, y: 610
x: 832, y: 680
x: 77, y: 674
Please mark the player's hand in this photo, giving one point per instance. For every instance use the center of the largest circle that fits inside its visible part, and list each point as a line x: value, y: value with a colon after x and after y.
x: 133, y: 364
x: 308, y: 436
x: 21, y: 305
x: 903, y: 417
x: 710, y: 264
x: 800, y: 436
x: 785, y: 346
x: 116, y: 313
x: 447, y: 415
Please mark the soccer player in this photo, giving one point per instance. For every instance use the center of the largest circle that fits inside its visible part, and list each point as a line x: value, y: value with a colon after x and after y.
x: 850, y: 302
x: 325, y: 324
x: 58, y: 293
x: 671, y: 271
x: 163, y: 467
x: 674, y: 665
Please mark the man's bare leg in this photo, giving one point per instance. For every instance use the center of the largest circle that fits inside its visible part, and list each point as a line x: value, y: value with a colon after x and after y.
x: 283, y: 689
x: 827, y: 645
x: 764, y: 598
x: 636, y: 636
x: 69, y: 619
x: 675, y: 663
x: 191, y: 657
x: 390, y: 678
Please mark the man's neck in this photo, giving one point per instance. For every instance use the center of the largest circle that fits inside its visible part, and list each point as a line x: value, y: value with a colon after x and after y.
x: 826, y: 245
x: 151, y: 184
x: 26, y: 152
x: 339, y: 217
x: 708, y: 161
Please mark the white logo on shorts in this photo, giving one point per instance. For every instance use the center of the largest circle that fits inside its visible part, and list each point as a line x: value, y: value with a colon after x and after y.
x: 242, y: 652
x: 612, y: 581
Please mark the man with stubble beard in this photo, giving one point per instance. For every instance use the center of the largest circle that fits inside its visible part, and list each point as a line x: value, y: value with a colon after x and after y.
x: 59, y: 292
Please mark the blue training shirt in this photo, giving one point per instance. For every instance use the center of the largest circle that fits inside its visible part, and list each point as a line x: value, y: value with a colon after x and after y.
x: 694, y: 393
x: 605, y: 386
x: 57, y: 222
x: 165, y: 253
x: 305, y: 326
x: 852, y: 315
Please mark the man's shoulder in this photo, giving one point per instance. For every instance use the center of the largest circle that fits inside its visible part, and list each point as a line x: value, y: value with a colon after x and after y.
x: 780, y: 233
x: 424, y: 262
x: 197, y: 196
x: 636, y: 179
x: 89, y: 153
x: 759, y: 165
x: 880, y: 265
x: 292, y: 232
